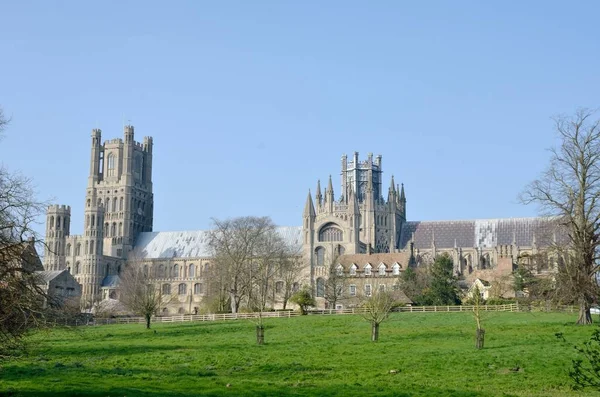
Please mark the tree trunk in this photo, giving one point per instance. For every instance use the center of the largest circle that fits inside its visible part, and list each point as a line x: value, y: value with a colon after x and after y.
x: 148, y: 321
x: 479, y: 338
x: 233, y: 302
x: 260, y: 334
x: 585, y: 318
x: 374, y: 332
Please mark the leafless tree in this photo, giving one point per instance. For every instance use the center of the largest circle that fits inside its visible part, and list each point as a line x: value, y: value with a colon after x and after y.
x: 569, y: 191
x: 291, y: 274
x: 377, y: 309
x: 23, y: 302
x: 138, y: 292
x: 335, y: 286
x: 478, y: 303
x: 235, y: 244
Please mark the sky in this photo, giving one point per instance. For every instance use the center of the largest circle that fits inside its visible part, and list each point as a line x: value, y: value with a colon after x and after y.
x: 250, y: 103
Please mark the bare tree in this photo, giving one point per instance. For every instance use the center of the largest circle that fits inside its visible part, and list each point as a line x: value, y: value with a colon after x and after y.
x: 291, y: 269
x: 138, y: 292
x: 377, y: 309
x: 23, y: 302
x: 335, y: 286
x: 235, y: 244
x: 270, y: 251
x: 478, y: 303
x: 569, y: 191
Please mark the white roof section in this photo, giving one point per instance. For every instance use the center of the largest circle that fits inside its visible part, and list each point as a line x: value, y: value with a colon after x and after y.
x: 194, y: 243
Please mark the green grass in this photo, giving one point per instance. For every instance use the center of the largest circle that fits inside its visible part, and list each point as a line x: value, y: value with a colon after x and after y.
x: 312, y: 355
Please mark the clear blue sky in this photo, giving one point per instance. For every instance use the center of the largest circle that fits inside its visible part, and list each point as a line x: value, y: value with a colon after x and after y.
x: 251, y: 102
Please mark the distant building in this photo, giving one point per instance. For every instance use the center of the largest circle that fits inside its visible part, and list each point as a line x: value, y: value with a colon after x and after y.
x: 360, y: 233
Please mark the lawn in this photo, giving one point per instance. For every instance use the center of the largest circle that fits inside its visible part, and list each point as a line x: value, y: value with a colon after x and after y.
x: 433, y: 354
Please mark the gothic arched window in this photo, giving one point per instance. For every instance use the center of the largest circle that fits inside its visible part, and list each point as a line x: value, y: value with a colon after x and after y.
x: 331, y: 232
x: 166, y: 289
x: 320, y: 287
x: 182, y: 289
x: 176, y: 271
x: 320, y: 256
x: 110, y: 164
x: 197, y: 289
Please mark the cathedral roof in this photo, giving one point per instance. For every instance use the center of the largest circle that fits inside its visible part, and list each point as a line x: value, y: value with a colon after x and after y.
x: 484, y: 233
x: 194, y: 243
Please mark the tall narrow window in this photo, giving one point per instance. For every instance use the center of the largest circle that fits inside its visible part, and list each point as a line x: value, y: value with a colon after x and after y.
x: 368, y: 269
x: 320, y: 287
x: 197, y: 289
x: 320, y: 256
x: 192, y: 271
x: 176, y: 271
x: 368, y: 289
x: 110, y: 164
x: 166, y: 289
x: 182, y: 289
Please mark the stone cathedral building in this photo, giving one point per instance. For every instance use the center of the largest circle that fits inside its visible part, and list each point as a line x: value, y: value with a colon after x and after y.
x: 363, y: 232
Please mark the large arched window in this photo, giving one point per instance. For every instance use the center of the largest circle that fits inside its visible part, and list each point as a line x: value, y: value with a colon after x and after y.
x: 182, y: 289
x: 110, y: 164
x: 320, y: 256
x: 198, y: 289
x: 78, y: 249
x: 320, y: 287
x: 166, y: 289
x: 161, y: 270
x: 68, y: 250
x: 176, y: 271
x: 331, y: 232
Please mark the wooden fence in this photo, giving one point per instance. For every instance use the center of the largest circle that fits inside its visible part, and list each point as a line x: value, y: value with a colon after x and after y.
x: 514, y: 307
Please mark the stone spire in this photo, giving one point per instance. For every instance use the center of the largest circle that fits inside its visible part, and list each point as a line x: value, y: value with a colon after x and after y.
x: 329, y: 197
x: 309, y: 209
x: 318, y: 195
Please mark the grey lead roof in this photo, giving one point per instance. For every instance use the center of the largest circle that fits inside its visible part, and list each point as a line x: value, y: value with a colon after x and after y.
x: 194, y: 243
x: 48, y: 275
x: 484, y: 233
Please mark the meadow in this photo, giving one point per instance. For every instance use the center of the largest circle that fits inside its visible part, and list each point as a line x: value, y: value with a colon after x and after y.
x: 428, y: 354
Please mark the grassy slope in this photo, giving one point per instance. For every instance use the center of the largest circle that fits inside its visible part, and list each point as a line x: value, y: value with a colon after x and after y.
x: 312, y: 355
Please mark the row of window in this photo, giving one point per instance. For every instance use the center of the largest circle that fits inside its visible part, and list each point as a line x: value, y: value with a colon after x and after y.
x: 182, y: 289
x: 351, y: 289
x: 177, y: 270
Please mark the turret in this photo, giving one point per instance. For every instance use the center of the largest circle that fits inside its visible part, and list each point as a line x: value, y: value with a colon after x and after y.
x: 318, y: 195
x: 97, y: 157
x: 403, y: 204
x: 88, y: 271
x: 329, y: 196
x: 58, y: 221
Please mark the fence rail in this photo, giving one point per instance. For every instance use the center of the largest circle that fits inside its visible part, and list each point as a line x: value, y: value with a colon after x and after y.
x: 514, y: 307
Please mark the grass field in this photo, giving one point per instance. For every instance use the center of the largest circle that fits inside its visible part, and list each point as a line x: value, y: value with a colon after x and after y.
x: 306, y: 356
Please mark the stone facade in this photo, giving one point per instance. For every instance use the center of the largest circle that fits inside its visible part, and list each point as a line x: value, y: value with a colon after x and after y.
x: 360, y: 233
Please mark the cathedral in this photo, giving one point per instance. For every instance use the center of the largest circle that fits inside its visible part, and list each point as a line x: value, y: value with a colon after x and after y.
x: 362, y: 233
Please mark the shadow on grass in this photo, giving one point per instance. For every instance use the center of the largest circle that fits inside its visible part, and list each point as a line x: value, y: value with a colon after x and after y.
x: 223, y: 390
